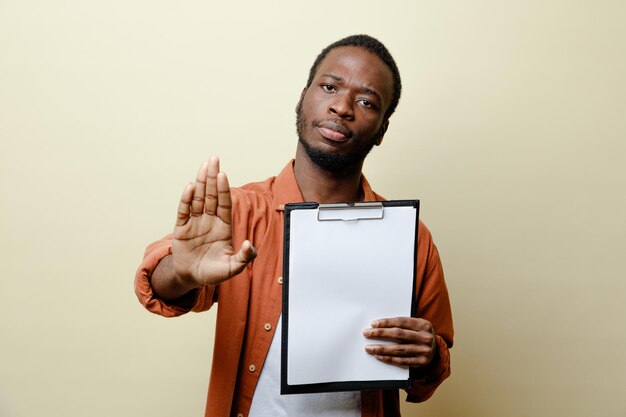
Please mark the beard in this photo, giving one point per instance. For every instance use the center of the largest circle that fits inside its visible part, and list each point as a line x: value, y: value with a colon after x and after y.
x: 335, y: 162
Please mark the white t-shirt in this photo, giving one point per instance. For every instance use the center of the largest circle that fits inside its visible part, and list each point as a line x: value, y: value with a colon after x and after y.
x: 267, y: 401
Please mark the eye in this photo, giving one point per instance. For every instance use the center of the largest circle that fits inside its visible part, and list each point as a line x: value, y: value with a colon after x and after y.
x: 329, y: 88
x: 366, y: 103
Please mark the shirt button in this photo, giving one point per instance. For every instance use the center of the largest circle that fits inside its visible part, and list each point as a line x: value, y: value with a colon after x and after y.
x: 252, y: 368
x: 240, y: 415
x: 280, y: 280
x: 267, y: 326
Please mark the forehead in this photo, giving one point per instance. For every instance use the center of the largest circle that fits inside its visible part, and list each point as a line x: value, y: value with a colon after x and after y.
x: 360, y: 67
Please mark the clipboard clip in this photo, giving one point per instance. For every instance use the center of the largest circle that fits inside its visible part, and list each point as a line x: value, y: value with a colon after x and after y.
x: 350, y: 212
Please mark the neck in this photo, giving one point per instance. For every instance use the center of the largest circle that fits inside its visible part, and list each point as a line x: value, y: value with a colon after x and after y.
x: 319, y: 185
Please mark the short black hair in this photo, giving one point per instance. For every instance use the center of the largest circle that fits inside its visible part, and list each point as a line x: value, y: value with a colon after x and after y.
x: 374, y: 46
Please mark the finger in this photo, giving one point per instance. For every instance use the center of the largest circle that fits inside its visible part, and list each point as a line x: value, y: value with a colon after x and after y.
x: 197, y: 204
x: 242, y: 258
x: 210, y: 203
x: 399, y: 350
x: 398, y: 335
x: 184, y: 205
x: 412, y: 323
x: 224, y: 203
x: 404, y: 362
x: 402, y: 355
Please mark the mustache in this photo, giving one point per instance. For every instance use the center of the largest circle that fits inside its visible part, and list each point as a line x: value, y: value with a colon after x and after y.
x: 336, y: 125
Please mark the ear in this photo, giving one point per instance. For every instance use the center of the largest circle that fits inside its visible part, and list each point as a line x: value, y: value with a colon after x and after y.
x: 300, y: 101
x: 382, y: 131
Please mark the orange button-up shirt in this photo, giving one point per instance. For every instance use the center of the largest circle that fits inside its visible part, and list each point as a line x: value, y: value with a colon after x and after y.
x: 250, y: 303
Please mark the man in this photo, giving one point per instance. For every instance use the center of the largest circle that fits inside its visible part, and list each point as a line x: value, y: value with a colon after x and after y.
x: 352, y: 90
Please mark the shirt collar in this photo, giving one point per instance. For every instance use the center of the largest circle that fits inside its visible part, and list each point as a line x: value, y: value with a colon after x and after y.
x: 286, y: 188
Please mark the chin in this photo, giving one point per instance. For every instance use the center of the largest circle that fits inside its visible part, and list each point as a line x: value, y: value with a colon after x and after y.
x: 335, y: 162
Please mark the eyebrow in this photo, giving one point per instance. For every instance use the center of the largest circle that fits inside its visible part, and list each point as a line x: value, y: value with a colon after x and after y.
x: 364, y: 89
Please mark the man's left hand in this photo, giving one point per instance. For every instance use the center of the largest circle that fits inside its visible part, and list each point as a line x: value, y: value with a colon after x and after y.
x: 414, y: 341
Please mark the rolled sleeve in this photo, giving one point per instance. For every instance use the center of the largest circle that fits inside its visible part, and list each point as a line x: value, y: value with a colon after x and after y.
x: 197, y: 300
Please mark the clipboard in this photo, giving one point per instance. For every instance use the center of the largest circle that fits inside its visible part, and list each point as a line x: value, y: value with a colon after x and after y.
x: 344, y: 265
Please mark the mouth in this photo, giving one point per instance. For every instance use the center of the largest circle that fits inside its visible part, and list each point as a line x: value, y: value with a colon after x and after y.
x: 333, y: 131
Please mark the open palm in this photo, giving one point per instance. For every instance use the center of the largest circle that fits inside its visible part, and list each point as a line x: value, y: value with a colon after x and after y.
x: 202, y: 247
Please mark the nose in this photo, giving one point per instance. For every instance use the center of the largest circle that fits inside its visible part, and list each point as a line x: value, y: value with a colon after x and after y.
x: 341, y: 106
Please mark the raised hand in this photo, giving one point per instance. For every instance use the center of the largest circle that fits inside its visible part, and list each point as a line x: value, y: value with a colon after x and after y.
x: 202, y: 246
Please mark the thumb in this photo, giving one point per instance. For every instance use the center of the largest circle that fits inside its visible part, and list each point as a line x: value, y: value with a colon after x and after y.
x: 242, y: 258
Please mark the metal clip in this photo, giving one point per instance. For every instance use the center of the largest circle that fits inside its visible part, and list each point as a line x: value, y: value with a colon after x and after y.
x: 350, y: 212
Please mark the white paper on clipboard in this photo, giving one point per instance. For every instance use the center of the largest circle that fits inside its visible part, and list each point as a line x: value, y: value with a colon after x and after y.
x: 345, y: 267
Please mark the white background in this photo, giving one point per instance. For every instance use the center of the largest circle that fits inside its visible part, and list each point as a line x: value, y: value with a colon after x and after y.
x: 510, y: 130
